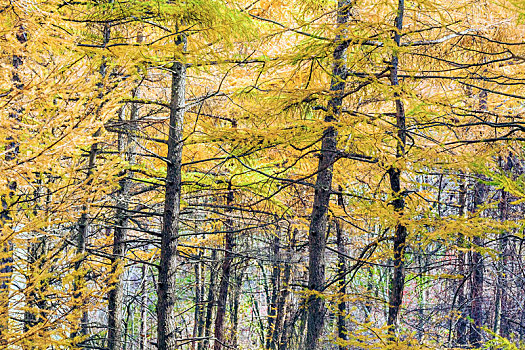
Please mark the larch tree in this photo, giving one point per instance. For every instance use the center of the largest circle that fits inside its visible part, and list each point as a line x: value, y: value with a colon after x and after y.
x: 261, y: 174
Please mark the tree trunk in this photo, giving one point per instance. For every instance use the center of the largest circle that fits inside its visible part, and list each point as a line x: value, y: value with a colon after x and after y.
x: 35, y: 299
x: 461, y: 325
x: 225, y: 277
x: 234, y: 307
x: 522, y: 325
x: 398, y: 277
x: 199, y: 307
x: 323, y: 185
x: 166, y: 322
x: 476, y: 291
x: 116, y: 294
x: 83, y: 223
x: 210, y: 301
x: 202, y: 312
x: 341, y: 273
x: 503, y: 326
x: 282, y: 324
x: 143, y: 341
x: 476, y: 286
x: 81, y: 241
x: 272, y: 307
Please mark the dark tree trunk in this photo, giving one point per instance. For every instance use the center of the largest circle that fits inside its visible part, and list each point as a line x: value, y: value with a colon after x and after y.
x: 83, y: 223
x: 476, y: 285
x: 461, y: 325
x: 225, y: 277
x: 199, y: 307
x: 522, y: 325
x: 275, y: 281
x: 143, y: 341
x: 282, y: 322
x: 477, y: 266
x: 323, y: 185
x: 341, y: 273
x: 210, y: 301
x: 398, y: 277
x: 116, y: 294
x: 81, y: 241
x: 35, y: 298
x: 166, y: 321
x: 202, y: 289
x: 234, y: 307
x: 501, y: 322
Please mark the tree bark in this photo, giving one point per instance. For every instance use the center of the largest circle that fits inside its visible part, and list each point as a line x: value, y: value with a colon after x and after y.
x: 83, y: 223
x: 461, y: 325
x: 81, y: 241
x: 225, y: 276
x: 143, y: 341
x: 199, y: 307
x: 341, y: 273
x: 394, y: 173
x: 234, y: 307
x: 272, y: 307
x: 477, y: 266
x: 476, y: 286
x: 166, y: 322
x: 202, y: 289
x: 323, y: 184
x: 116, y: 294
x: 501, y: 322
x: 282, y: 324
x: 210, y: 301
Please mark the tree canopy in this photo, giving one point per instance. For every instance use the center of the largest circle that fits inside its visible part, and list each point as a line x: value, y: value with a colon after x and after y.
x: 262, y: 174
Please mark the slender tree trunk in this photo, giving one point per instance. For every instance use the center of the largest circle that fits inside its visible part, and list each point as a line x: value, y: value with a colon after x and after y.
x: 476, y: 289
x: 83, y: 223
x: 116, y: 294
x: 35, y: 299
x: 280, y: 330
x: 143, y: 341
x: 477, y: 266
x: 341, y: 273
x: 501, y: 322
x: 522, y: 325
x: 234, y: 307
x: 282, y: 322
x: 398, y: 277
x: 285, y: 339
x: 81, y: 241
x: 272, y: 307
x: 202, y: 289
x: 423, y: 262
x: 461, y: 325
x: 210, y: 301
x: 323, y: 184
x: 501, y: 325
x: 225, y: 277
x: 504, y: 328
x: 125, y: 333
x: 166, y: 322
x: 199, y: 307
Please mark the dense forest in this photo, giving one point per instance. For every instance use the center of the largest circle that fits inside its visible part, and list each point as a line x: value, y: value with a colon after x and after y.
x: 262, y: 174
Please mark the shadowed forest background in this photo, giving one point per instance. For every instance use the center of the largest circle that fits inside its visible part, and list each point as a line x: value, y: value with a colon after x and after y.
x: 262, y: 174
